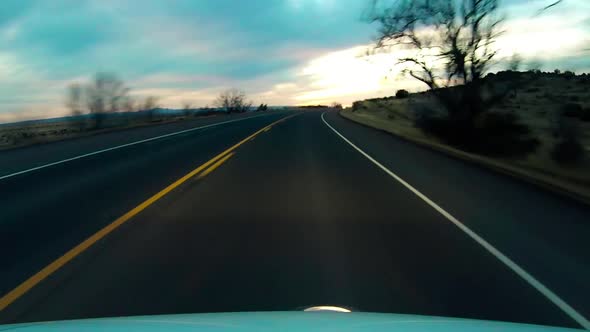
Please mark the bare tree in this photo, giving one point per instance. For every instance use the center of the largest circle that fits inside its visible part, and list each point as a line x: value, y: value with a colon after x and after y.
x: 233, y: 101
x: 129, y: 104
x: 75, y: 99
x: 336, y: 105
x: 551, y: 5
x: 262, y: 108
x: 187, y: 106
x: 106, y: 94
x: 515, y: 62
x: 149, y: 103
x: 453, y: 44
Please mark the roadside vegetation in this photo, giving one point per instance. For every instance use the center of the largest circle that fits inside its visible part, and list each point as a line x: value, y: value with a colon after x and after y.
x: 105, y: 104
x: 313, y: 107
x: 452, y: 58
x: 233, y: 101
x: 542, y: 127
x: 536, y: 121
x: 106, y: 94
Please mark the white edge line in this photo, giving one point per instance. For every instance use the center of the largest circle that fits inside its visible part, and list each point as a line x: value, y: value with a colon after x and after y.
x: 550, y: 295
x: 124, y: 146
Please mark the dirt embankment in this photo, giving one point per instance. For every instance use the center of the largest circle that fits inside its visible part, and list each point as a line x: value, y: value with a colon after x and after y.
x: 541, y: 105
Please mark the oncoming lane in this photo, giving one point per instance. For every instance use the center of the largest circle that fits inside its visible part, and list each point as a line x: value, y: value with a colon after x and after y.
x: 45, y: 213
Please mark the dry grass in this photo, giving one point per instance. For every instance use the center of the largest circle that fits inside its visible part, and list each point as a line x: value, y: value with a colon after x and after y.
x: 31, y: 134
x: 20, y: 135
x: 537, y: 105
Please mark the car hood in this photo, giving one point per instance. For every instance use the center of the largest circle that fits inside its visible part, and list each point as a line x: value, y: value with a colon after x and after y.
x: 279, y: 321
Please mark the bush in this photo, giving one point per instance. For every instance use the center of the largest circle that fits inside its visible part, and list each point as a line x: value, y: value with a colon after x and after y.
x: 567, y: 152
x: 503, y: 76
x: 569, y: 75
x: 565, y: 128
x: 424, y: 118
x: 503, y: 134
x: 313, y: 106
x: 575, y: 98
x: 233, y: 101
x: 436, y: 126
x: 357, y: 105
x: 585, y: 115
x: 402, y: 94
x: 493, y: 133
x: 337, y: 106
x: 572, y: 110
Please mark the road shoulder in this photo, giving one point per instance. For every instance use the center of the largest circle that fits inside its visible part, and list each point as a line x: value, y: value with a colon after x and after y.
x: 549, y: 182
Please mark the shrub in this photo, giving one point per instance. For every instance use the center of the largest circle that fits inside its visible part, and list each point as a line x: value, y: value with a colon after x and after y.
x: 502, y: 134
x: 337, y: 106
x: 567, y: 152
x: 574, y: 98
x: 436, y: 126
x: 357, y: 105
x: 402, y: 94
x: 233, y: 101
x: 569, y: 75
x: 507, y: 75
x: 422, y: 118
x: 492, y: 133
x: 585, y: 115
x: 8, y: 139
x: 572, y: 110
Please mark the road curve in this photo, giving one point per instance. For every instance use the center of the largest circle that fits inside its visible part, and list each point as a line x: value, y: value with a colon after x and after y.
x: 295, y: 216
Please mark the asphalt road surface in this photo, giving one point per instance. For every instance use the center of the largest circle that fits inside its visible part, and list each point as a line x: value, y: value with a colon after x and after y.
x: 260, y: 215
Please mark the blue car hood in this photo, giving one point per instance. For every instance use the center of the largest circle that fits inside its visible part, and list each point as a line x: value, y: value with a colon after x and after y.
x: 279, y: 321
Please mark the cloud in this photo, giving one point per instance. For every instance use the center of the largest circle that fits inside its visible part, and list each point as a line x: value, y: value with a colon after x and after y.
x: 47, y: 41
x: 65, y: 34
x: 13, y: 9
x: 279, y: 51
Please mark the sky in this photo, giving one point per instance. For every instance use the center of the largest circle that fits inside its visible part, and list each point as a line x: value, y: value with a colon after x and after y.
x: 280, y: 52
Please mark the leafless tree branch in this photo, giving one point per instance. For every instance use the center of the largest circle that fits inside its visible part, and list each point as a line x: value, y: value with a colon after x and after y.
x: 233, y: 100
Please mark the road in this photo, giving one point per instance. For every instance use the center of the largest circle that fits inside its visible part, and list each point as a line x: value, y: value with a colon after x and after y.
x: 257, y: 215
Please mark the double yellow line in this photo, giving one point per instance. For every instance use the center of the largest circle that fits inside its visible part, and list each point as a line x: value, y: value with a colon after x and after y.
x: 206, y: 168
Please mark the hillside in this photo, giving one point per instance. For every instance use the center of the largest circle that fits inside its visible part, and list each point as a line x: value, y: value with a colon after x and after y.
x: 550, y: 105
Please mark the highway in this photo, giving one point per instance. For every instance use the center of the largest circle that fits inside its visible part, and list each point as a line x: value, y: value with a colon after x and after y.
x: 280, y: 211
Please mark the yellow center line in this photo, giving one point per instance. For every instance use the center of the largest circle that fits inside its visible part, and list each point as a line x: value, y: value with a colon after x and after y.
x: 214, y: 166
x: 31, y: 282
